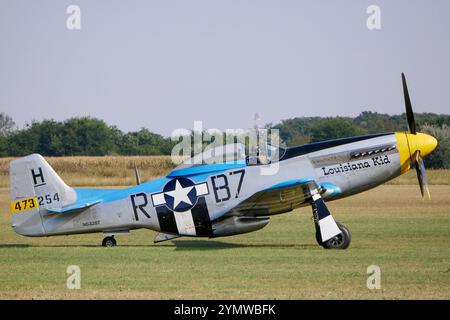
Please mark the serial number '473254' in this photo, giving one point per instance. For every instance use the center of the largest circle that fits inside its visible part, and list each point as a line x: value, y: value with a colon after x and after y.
x: 33, y: 202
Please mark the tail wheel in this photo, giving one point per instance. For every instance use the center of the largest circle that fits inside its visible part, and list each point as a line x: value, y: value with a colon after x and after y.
x: 109, y: 242
x: 341, y: 241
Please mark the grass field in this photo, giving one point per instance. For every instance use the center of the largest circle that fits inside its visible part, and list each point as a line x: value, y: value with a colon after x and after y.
x: 409, y: 239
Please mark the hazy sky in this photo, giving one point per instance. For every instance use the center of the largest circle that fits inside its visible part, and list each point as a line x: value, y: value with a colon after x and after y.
x: 163, y: 64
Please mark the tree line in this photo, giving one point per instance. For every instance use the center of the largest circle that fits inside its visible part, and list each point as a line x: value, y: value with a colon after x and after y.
x: 93, y: 137
x: 83, y: 136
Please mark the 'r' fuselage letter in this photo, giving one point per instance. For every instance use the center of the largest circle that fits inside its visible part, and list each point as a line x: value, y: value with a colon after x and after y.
x: 140, y: 205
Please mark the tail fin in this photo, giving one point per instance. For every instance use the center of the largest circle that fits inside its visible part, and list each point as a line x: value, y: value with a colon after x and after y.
x: 34, y: 185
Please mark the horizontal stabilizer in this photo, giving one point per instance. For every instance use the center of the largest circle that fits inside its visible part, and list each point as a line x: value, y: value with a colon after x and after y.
x: 76, y: 207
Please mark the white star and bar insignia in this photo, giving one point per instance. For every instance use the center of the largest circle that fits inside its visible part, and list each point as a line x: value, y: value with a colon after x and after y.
x: 180, y: 194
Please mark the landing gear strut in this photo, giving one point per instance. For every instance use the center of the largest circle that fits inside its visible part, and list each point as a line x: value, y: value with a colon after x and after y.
x: 336, y: 234
x: 109, y: 242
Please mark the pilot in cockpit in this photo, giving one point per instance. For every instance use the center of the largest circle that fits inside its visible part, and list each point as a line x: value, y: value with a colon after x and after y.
x: 257, y: 157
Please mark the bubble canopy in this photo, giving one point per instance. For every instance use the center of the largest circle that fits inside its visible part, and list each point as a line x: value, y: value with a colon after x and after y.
x: 234, y: 153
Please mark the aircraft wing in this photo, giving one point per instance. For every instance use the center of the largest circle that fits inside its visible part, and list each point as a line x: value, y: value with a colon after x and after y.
x: 287, y: 196
x: 276, y: 199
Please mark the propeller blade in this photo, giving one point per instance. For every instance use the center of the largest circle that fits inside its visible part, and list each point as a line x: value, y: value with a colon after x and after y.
x: 408, y: 106
x: 424, y: 177
x: 421, y: 175
x: 136, y: 173
x: 419, y: 164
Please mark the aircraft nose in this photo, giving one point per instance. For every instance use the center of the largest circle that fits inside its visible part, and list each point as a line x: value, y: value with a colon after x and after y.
x: 422, y: 142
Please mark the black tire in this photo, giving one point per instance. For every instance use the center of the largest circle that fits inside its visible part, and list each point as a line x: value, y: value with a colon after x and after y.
x: 341, y: 241
x: 109, y: 242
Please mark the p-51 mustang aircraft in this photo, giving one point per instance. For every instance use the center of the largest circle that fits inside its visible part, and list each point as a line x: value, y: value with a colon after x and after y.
x: 214, y: 199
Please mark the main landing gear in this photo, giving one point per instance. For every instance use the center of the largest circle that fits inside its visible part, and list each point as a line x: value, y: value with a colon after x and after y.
x: 336, y: 235
x: 341, y: 241
x: 109, y: 242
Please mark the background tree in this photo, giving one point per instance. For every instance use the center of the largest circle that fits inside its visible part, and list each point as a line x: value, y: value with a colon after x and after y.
x: 87, y: 136
x: 332, y: 128
x: 6, y: 124
x: 144, y: 142
x: 440, y: 158
x: 373, y: 122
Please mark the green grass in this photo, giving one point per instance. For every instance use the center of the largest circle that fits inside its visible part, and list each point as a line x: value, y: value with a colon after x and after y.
x: 409, y: 239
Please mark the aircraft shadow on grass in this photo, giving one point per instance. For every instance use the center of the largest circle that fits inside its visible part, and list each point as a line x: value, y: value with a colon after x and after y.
x: 14, y: 246
x: 218, y: 245
x: 192, y: 245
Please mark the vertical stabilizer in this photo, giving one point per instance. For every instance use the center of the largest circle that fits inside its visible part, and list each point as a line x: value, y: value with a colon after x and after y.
x: 35, y: 186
